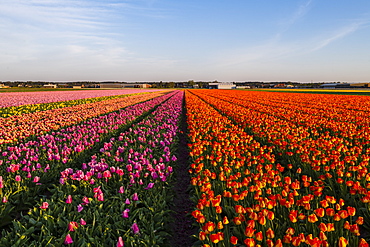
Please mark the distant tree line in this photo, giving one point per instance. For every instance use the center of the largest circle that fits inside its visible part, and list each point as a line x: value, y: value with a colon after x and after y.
x: 160, y: 84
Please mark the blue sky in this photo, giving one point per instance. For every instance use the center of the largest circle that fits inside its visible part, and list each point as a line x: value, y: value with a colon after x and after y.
x: 153, y: 40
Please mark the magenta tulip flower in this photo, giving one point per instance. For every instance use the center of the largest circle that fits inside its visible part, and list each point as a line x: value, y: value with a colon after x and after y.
x: 150, y: 185
x: 82, y: 222
x: 135, y: 197
x: 68, y: 239
x: 85, y: 200
x: 125, y: 213
x: 121, y: 190
x: 135, y: 228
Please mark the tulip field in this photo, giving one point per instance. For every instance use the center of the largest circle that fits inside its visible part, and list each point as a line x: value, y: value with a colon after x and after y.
x: 99, y: 167
x: 276, y: 169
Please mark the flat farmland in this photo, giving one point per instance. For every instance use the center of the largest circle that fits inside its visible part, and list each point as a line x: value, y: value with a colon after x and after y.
x: 238, y: 167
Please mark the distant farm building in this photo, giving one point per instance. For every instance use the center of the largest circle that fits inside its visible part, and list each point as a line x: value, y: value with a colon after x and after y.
x: 360, y: 85
x: 136, y: 85
x: 50, y: 86
x: 335, y: 85
x: 280, y: 85
x: 124, y: 85
x: 111, y: 85
x: 221, y: 85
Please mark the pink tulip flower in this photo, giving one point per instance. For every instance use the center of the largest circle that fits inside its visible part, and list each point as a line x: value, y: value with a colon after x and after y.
x: 120, y: 242
x: 44, y: 205
x: 69, y: 199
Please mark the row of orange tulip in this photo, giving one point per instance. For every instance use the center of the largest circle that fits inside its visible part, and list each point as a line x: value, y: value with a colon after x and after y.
x: 245, y: 196
x: 342, y: 159
x: 324, y: 114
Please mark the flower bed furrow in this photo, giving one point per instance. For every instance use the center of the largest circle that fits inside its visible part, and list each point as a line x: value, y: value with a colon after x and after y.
x: 321, y: 211
x: 337, y: 105
x: 341, y: 159
x: 29, y: 169
x: 23, y: 126
x: 224, y: 160
x: 27, y: 98
x: 120, y: 194
x: 24, y: 109
x: 351, y: 124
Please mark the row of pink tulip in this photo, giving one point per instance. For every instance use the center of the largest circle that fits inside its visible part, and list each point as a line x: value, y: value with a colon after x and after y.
x: 22, y: 126
x: 27, y: 98
x: 27, y: 166
x: 118, y: 196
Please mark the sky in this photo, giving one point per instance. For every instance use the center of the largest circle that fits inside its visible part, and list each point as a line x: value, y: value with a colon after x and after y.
x: 172, y: 40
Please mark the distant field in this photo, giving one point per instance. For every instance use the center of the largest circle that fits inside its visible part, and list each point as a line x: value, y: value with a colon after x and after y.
x: 365, y: 92
x: 25, y: 89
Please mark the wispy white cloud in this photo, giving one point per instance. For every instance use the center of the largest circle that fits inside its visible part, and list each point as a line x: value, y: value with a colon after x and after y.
x: 300, y: 12
x: 250, y: 56
x: 72, y: 39
x: 338, y: 34
x: 53, y: 14
x: 271, y: 49
x: 82, y: 31
x: 294, y: 17
x: 282, y: 45
x: 31, y: 23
